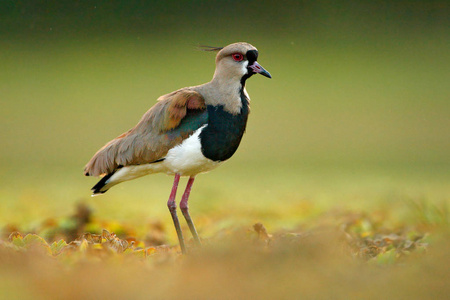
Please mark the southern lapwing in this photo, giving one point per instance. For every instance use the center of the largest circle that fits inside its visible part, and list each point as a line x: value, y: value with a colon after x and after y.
x: 187, y: 132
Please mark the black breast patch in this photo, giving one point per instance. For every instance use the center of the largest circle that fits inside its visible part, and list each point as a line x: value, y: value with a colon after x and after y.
x: 221, y: 138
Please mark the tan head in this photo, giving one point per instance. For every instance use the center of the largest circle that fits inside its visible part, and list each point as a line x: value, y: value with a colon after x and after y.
x: 238, y: 62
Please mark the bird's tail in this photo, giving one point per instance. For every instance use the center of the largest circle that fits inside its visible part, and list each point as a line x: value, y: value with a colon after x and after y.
x: 100, y: 187
x: 103, y: 185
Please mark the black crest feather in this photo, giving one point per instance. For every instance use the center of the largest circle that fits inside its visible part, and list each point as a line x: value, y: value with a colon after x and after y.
x: 209, y: 48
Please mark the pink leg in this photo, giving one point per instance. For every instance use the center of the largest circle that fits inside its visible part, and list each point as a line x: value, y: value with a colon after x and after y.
x: 185, y: 209
x: 173, y: 211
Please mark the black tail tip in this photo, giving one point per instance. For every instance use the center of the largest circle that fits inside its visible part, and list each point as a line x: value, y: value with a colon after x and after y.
x: 99, y: 187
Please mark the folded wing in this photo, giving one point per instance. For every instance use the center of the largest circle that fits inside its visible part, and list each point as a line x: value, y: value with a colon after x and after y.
x: 171, y: 120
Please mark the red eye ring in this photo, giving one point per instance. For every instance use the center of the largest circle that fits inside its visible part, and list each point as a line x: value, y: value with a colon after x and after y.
x: 237, y: 57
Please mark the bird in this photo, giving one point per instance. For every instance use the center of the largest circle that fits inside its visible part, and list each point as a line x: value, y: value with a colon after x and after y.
x: 189, y: 131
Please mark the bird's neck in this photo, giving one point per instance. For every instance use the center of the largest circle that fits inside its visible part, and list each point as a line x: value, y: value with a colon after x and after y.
x: 226, y: 92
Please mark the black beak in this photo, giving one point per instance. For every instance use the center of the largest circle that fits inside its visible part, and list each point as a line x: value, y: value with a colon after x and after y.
x: 257, y: 68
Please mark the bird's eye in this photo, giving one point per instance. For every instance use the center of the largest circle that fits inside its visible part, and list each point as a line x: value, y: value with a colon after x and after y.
x: 237, y: 56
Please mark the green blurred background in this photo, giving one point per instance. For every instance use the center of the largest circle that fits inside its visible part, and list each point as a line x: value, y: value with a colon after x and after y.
x: 356, y: 115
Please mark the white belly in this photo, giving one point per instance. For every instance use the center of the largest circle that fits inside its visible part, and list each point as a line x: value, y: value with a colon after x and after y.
x: 187, y: 158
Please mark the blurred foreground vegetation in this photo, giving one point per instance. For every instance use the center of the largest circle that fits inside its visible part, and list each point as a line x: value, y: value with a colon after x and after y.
x: 345, y: 160
x: 365, y: 257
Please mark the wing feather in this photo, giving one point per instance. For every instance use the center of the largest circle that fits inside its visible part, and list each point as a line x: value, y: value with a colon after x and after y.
x: 171, y: 120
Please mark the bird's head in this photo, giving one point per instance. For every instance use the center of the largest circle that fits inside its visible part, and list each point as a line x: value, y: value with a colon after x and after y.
x: 238, y: 61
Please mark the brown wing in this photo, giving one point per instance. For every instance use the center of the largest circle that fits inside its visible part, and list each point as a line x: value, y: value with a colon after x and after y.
x: 154, y: 135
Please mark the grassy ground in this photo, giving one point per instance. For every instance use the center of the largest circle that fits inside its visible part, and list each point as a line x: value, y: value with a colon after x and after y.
x: 345, y: 163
